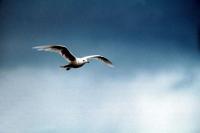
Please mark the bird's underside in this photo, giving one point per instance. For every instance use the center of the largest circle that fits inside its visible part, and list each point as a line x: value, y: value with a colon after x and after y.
x: 74, y: 62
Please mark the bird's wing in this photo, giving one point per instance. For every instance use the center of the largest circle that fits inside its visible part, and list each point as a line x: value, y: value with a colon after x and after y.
x: 62, y: 50
x: 99, y: 58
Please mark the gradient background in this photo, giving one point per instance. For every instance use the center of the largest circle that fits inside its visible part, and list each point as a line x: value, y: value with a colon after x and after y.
x: 154, y: 87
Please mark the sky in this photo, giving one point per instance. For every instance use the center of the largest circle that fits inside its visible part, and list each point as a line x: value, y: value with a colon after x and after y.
x: 153, y: 88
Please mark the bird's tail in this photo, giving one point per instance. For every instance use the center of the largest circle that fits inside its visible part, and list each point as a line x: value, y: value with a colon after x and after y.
x: 62, y: 67
x: 65, y: 66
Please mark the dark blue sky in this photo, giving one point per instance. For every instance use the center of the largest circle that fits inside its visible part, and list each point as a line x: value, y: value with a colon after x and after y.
x: 140, y: 33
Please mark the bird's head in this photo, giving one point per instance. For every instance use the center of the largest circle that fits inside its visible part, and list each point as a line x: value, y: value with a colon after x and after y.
x: 85, y: 61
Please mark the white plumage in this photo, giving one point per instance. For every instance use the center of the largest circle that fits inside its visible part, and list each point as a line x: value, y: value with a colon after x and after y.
x: 74, y: 62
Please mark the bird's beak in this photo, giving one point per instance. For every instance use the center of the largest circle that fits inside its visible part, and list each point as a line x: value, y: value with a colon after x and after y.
x: 88, y: 62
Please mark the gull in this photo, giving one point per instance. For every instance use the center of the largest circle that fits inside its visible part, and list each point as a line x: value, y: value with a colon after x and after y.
x: 74, y: 62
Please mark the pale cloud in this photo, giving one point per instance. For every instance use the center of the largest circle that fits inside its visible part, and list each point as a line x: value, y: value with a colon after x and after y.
x: 42, y: 100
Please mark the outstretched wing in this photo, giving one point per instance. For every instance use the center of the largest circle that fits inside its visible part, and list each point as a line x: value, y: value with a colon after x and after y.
x: 99, y: 58
x: 62, y: 50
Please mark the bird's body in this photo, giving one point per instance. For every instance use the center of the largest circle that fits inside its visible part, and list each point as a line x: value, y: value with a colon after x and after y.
x: 74, y: 62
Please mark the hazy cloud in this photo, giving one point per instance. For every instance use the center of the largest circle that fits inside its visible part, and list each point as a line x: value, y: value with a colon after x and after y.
x: 40, y: 101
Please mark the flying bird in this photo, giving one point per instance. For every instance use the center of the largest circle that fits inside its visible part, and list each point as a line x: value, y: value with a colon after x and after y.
x: 74, y: 62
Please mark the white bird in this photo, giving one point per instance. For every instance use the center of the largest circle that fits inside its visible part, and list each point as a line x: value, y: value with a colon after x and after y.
x: 74, y: 62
